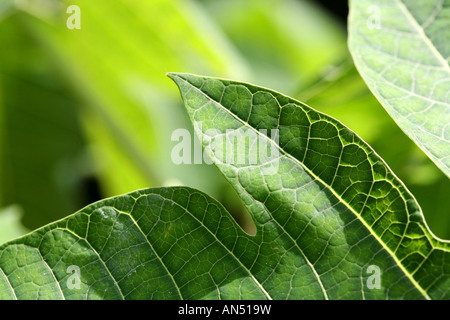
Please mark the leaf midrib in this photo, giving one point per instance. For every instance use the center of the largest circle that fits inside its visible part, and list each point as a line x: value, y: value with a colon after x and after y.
x: 422, y: 34
x: 399, y: 264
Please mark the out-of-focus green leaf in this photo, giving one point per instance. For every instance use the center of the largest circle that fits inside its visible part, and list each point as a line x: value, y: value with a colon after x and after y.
x: 402, y: 50
x: 286, y: 43
x: 6, y: 6
x: 2, y: 133
x: 341, y: 93
x: 116, y: 64
x: 10, y: 225
x: 41, y: 144
x: 330, y: 212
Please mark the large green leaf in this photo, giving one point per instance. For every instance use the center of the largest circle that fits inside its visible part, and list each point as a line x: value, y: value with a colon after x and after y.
x: 167, y: 243
x: 401, y: 48
x: 329, y: 213
x: 5, y: 8
x: 334, y: 202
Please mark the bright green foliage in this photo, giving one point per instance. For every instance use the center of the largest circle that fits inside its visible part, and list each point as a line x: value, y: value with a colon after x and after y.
x: 402, y: 50
x: 151, y: 244
x: 330, y: 211
x: 10, y: 226
x: 346, y: 97
x: 40, y: 134
x: 337, y: 203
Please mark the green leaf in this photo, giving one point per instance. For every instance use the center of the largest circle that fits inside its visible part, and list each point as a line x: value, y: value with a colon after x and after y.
x: 10, y: 226
x: 333, y: 201
x: 167, y: 243
x: 315, y: 238
x: 401, y: 48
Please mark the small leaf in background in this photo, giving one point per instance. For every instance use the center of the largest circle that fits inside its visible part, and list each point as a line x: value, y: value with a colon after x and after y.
x: 401, y: 48
x: 10, y: 225
x: 42, y: 148
x: 285, y: 43
x: 6, y: 6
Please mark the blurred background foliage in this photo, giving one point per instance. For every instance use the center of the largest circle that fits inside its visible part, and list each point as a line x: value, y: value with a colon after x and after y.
x: 87, y: 114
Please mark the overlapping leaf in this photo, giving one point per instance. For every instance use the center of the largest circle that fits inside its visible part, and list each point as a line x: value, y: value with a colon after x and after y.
x: 402, y: 50
x: 10, y: 226
x: 119, y: 81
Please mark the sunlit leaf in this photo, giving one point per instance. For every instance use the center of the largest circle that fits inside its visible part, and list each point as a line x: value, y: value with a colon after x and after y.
x: 333, y: 200
x: 401, y: 48
x: 42, y: 148
x: 10, y: 225
x: 329, y: 218
x: 343, y: 94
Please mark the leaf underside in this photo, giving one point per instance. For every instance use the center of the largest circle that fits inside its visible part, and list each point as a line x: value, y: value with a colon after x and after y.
x: 402, y: 50
x: 330, y: 210
x: 337, y: 206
